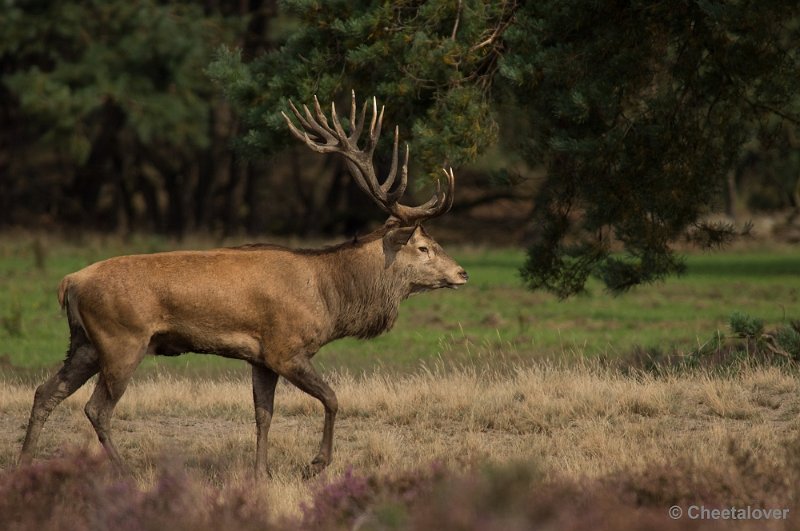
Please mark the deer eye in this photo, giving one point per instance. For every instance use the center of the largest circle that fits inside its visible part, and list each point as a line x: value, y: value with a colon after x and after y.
x: 423, y: 249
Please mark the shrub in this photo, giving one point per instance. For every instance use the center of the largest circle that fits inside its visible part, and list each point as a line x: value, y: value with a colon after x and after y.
x: 788, y: 339
x: 750, y: 345
x: 80, y: 491
x: 745, y: 326
x: 355, y: 498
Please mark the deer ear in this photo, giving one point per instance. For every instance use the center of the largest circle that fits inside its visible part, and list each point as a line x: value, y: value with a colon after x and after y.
x: 396, y: 238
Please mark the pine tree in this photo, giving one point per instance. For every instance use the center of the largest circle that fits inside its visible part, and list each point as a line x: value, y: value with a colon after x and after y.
x: 103, y: 88
x: 637, y: 110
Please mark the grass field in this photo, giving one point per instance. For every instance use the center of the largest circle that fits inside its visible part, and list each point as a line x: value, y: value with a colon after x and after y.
x: 493, y: 316
x: 486, y: 408
x: 698, y: 438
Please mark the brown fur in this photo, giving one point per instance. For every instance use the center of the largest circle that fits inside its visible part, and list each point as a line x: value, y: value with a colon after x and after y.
x: 265, y: 304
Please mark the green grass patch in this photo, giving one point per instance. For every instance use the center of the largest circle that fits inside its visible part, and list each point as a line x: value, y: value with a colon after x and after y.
x: 492, y: 316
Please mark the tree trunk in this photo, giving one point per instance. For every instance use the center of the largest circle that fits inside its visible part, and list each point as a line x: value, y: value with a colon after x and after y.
x: 90, y: 177
x: 731, y: 196
x: 257, y: 197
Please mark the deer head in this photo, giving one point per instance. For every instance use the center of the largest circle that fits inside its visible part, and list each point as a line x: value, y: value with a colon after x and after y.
x: 407, y: 247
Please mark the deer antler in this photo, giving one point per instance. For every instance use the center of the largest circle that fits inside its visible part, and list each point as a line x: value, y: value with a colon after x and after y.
x: 323, y: 137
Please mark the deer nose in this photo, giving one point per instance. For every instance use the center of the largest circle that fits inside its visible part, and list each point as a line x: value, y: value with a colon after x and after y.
x: 464, y: 275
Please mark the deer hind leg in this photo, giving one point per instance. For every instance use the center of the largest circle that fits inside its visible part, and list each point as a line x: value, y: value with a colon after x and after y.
x: 111, y: 384
x: 264, y: 382
x: 302, y: 374
x: 80, y: 364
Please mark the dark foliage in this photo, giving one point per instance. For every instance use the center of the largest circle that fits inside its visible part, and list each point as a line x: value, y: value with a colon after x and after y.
x: 107, y: 119
x: 645, y: 117
x: 638, y: 111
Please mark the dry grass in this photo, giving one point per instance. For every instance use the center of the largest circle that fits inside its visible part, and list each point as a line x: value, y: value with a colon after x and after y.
x: 580, y: 421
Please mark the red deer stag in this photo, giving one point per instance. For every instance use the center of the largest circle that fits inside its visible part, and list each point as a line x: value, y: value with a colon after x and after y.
x: 270, y: 306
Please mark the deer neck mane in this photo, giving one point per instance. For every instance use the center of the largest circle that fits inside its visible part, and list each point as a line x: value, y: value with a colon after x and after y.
x: 362, y: 291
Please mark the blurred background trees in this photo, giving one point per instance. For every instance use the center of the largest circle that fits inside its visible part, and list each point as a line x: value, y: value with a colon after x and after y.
x: 608, y: 130
x: 108, y: 119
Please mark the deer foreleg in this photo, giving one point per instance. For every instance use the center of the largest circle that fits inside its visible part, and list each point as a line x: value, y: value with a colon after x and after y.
x: 302, y: 374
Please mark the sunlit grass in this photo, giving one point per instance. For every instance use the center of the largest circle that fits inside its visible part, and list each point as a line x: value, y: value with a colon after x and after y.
x: 574, y: 422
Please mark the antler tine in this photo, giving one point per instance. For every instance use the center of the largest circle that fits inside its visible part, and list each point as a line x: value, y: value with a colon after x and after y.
x: 303, y: 136
x: 323, y: 132
x: 387, y: 184
x: 374, y: 114
x: 366, y: 185
x: 340, y: 134
x: 322, y: 141
x: 444, y: 198
x: 427, y: 208
x: 374, y: 127
x: 400, y: 189
x: 299, y: 116
x: 437, y: 205
x: 375, y: 133
x: 356, y: 127
x: 353, y: 109
x: 434, y: 201
x: 295, y: 132
x: 448, y: 194
x: 321, y: 118
x: 328, y: 137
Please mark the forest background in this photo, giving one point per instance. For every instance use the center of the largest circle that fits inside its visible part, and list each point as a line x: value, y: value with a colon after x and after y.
x: 595, y: 137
